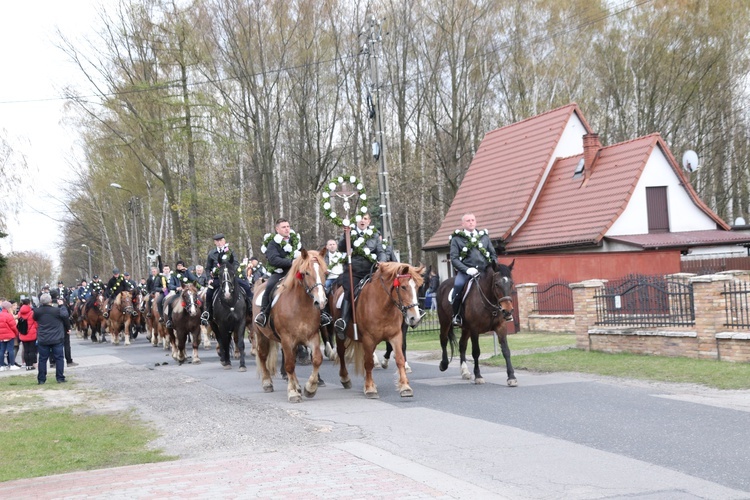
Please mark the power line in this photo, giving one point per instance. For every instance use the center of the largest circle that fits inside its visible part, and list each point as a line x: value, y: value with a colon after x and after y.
x: 176, y: 84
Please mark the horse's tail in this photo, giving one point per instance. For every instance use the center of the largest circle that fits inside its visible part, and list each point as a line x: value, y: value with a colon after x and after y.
x: 359, y: 356
x: 272, y: 360
x: 453, y: 341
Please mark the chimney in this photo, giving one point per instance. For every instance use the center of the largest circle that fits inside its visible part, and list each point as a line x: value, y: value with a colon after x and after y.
x: 591, y: 146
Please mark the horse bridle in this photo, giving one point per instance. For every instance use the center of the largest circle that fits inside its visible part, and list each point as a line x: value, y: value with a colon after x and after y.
x: 486, y: 302
x: 400, y: 304
x: 308, y: 289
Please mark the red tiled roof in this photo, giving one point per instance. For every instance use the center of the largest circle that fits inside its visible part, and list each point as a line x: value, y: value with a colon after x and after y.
x: 684, y: 239
x: 580, y: 210
x: 505, y: 172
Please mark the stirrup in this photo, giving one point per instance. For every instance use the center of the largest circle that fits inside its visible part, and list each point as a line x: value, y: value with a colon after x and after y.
x: 168, y: 323
x: 340, y: 327
x: 261, y: 319
x: 204, y: 318
x: 105, y: 314
x: 325, y: 319
x: 457, y: 321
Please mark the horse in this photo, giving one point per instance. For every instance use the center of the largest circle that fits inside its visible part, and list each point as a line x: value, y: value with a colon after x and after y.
x: 229, y: 317
x: 294, y: 321
x: 156, y: 329
x: 138, y: 321
x: 94, y: 318
x: 386, y: 301
x: 186, y: 320
x: 487, y: 306
x: 119, y: 317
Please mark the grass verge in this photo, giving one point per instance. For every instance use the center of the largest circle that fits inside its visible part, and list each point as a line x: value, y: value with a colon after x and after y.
x: 430, y: 341
x: 716, y: 374
x: 57, y: 440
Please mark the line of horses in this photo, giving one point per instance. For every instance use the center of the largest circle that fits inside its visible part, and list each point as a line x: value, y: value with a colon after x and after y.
x: 387, y: 300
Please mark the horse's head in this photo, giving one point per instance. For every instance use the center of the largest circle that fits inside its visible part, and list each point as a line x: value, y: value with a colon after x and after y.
x: 190, y: 302
x: 227, y: 282
x: 126, y: 301
x: 309, y: 271
x: 404, y: 281
x: 502, y: 287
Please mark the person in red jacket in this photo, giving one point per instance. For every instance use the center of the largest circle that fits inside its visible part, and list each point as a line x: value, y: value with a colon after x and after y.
x: 28, y: 338
x: 8, y: 334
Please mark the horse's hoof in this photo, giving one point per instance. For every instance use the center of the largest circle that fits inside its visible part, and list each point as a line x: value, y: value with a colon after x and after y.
x: 512, y: 382
x: 243, y: 368
x: 295, y: 398
x: 384, y: 363
x: 466, y: 376
x: 347, y: 384
x: 309, y: 394
x: 227, y: 366
x: 407, y: 393
x: 321, y: 382
x: 479, y: 380
x: 267, y: 388
x: 443, y: 366
x: 196, y: 361
x: 372, y: 395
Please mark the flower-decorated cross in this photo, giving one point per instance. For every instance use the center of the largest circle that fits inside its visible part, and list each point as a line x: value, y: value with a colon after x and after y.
x: 354, y: 198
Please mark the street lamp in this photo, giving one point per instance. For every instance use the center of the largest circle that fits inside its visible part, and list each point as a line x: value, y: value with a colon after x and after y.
x: 88, y: 250
x: 133, y: 206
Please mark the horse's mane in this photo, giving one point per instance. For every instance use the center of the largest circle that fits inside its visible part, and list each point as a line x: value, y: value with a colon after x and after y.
x: 302, y: 264
x: 390, y: 270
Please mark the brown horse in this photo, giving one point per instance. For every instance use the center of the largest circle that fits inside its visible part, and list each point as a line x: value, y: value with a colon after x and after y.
x: 385, y: 302
x: 155, y: 328
x: 118, y: 323
x: 92, y: 311
x: 186, y: 320
x: 487, y: 306
x: 294, y: 321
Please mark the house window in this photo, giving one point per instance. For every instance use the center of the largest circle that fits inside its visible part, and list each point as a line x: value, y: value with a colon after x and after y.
x: 658, y: 212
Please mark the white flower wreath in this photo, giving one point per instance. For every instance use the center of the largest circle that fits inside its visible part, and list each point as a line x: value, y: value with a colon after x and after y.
x: 472, y: 242
x: 358, y: 245
x: 292, y: 248
x: 325, y: 201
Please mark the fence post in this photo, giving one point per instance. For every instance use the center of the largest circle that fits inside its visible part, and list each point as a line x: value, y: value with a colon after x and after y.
x: 526, y: 293
x: 709, y: 311
x: 584, y: 309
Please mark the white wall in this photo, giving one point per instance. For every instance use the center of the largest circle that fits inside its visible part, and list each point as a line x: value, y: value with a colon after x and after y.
x: 684, y: 215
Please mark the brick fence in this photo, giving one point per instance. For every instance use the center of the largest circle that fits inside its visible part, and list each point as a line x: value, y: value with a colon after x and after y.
x: 708, y: 338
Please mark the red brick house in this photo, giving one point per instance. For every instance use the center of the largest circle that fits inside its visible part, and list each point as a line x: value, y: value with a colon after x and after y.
x: 566, y: 207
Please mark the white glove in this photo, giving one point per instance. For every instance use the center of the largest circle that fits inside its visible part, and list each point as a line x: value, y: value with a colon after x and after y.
x: 472, y: 271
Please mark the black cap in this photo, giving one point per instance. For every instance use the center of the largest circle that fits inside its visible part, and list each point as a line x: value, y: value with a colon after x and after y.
x: 96, y: 277
x: 54, y: 293
x: 115, y: 271
x: 126, y: 273
x: 218, y: 236
x: 60, y: 282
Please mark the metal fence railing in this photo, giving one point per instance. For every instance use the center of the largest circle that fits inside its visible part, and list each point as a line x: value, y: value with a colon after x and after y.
x: 555, y: 297
x: 646, y: 301
x: 736, y: 304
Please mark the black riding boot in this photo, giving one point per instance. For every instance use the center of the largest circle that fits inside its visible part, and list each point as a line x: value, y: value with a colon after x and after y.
x: 262, y: 318
x: 340, y: 324
x: 457, y: 320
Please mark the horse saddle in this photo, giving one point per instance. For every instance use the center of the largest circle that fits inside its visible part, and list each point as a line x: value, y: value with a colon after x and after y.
x: 272, y: 291
x: 357, y: 290
x: 467, y: 287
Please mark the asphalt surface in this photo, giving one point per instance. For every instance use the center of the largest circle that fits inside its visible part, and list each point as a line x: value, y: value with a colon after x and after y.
x: 553, y: 436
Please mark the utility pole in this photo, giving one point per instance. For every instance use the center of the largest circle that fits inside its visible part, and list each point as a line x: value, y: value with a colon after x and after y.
x: 378, y: 147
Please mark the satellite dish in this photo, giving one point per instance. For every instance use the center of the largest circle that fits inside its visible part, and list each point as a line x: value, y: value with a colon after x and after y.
x: 690, y: 161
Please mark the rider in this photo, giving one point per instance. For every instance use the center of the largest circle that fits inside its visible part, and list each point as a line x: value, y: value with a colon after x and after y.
x: 116, y: 284
x: 168, y: 284
x: 471, y: 252
x: 63, y: 291
x: 366, y: 252
x: 183, y: 277
x: 217, y: 257
x: 256, y: 271
x: 95, y: 286
x: 334, y: 260
x: 279, y: 254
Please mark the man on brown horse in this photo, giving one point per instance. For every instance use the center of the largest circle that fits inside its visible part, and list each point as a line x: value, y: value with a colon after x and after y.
x: 279, y: 253
x: 471, y: 252
x: 366, y: 251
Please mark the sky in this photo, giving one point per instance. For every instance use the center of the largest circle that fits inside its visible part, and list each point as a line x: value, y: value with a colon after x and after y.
x: 33, y: 72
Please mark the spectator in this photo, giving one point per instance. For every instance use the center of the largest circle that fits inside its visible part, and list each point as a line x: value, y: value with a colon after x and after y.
x: 8, y: 334
x: 28, y: 338
x: 50, y: 336
x: 66, y: 342
x: 434, y: 283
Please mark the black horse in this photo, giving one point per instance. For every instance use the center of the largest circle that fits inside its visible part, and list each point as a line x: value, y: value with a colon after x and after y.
x: 229, y: 317
x: 487, y: 306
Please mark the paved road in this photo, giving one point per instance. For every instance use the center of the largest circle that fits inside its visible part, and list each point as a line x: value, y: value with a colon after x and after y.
x: 554, y: 436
